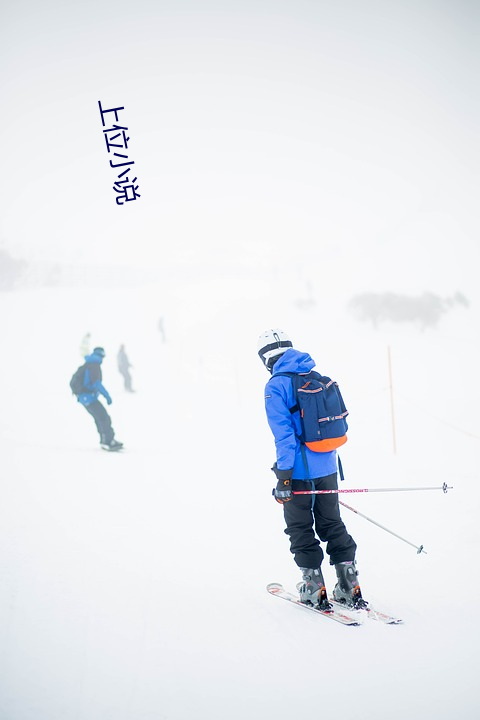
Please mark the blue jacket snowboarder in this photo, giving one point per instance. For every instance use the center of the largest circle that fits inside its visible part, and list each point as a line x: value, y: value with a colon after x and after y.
x: 309, y: 518
x: 88, y: 397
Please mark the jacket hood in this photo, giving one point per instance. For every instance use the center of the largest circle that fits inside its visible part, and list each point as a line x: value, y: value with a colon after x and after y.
x: 93, y: 358
x: 293, y: 361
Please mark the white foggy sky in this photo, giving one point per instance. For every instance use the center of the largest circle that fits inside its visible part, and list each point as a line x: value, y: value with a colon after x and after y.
x: 347, y: 128
x: 307, y: 138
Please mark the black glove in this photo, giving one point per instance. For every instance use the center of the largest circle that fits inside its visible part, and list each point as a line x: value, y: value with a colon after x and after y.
x: 283, y: 492
x: 282, y: 474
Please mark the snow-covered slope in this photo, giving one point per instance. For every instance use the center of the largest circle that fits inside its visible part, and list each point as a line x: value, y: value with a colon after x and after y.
x: 133, y: 585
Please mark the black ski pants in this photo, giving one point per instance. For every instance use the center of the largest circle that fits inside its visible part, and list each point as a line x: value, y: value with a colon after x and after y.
x: 310, y: 517
x: 102, y: 421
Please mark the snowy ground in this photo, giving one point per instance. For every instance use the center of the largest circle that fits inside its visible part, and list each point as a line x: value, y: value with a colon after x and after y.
x: 133, y: 585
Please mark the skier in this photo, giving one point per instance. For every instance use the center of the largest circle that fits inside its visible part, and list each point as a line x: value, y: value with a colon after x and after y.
x: 161, y: 329
x: 85, y: 345
x: 88, y: 397
x: 299, y: 468
x: 123, y: 366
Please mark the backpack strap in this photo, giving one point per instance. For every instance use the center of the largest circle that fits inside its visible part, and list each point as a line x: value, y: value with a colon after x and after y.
x: 304, y: 458
x: 293, y: 377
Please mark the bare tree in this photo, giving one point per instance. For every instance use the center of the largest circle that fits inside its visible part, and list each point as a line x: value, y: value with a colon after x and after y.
x: 426, y: 309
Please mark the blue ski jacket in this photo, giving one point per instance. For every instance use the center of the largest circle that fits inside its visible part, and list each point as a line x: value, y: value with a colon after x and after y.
x: 285, y: 426
x: 93, y: 381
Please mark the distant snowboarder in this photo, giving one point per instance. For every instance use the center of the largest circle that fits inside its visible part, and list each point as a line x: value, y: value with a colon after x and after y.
x: 161, y: 329
x: 87, y: 385
x: 85, y: 345
x: 124, y: 368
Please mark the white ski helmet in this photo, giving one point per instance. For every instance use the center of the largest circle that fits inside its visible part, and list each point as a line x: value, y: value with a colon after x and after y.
x: 271, y: 344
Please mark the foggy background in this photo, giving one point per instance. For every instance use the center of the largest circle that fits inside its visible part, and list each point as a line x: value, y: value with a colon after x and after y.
x: 307, y: 165
x: 348, y: 130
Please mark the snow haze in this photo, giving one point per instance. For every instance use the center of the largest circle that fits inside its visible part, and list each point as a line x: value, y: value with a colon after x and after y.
x: 289, y: 157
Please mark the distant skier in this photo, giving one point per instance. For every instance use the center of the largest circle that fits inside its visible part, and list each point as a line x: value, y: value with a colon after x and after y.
x: 161, y: 329
x: 85, y: 345
x: 300, y: 468
x: 124, y: 368
x: 87, y: 385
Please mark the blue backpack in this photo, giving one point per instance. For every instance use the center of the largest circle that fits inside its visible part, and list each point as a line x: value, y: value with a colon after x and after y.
x: 322, y: 411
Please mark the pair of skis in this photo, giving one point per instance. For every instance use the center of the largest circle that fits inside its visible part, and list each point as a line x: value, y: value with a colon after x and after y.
x: 338, y: 613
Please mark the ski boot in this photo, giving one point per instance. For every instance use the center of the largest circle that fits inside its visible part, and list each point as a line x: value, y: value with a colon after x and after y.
x: 312, y: 589
x: 347, y: 590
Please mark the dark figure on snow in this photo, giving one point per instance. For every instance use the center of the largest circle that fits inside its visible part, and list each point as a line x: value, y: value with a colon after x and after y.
x: 124, y: 368
x: 85, y: 345
x: 161, y: 329
x: 309, y: 518
x: 88, y: 397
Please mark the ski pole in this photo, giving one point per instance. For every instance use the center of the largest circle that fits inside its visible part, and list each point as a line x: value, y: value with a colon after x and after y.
x: 419, y: 548
x: 443, y: 487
